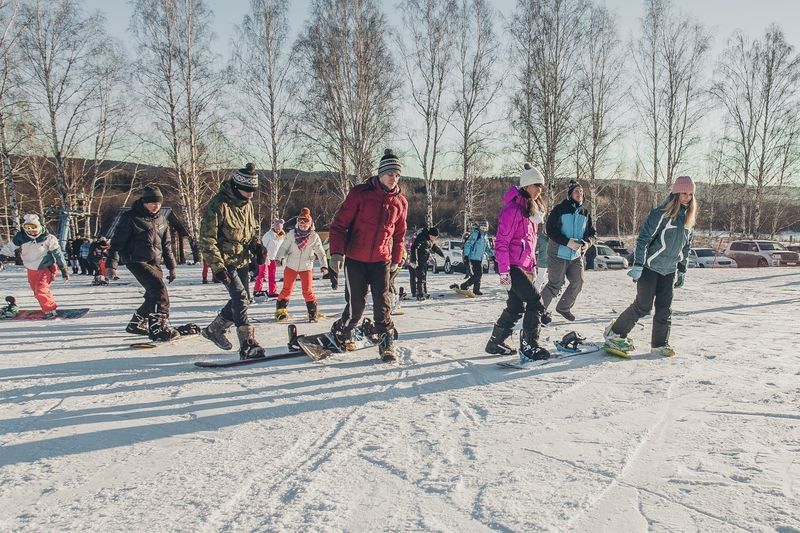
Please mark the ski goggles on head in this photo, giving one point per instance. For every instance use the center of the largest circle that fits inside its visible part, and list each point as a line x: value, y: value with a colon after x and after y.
x: 303, y: 219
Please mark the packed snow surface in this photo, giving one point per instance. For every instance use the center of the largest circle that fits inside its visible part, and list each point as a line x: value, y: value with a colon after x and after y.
x: 97, y: 436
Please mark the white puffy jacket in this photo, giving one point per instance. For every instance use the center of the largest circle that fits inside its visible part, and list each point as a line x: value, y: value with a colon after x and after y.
x: 302, y: 260
x: 272, y: 241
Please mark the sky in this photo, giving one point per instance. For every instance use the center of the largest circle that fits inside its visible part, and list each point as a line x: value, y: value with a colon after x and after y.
x: 721, y: 17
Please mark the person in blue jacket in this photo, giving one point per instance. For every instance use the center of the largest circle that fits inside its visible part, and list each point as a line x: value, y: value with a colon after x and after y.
x: 659, y: 265
x: 571, y: 231
x: 475, y: 247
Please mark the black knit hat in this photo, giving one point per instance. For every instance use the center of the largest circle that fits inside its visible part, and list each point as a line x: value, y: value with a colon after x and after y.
x: 152, y: 195
x: 573, y: 184
x: 245, y: 179
x: 433, y: 232
x: 389, y: 163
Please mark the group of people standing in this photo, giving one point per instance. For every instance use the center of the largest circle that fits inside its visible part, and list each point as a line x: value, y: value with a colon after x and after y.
x: 366, y: 252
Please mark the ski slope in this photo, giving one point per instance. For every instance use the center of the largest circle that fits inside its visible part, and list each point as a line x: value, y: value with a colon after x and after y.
x: 96, y: 436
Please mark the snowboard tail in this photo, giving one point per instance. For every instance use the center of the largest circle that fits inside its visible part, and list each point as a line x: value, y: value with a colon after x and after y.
x: 39, y: 314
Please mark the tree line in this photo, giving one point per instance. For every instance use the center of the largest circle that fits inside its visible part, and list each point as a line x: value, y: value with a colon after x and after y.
x: 563, y: 90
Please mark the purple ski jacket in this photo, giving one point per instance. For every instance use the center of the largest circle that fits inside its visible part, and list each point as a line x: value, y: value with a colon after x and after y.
x: 515, y: 243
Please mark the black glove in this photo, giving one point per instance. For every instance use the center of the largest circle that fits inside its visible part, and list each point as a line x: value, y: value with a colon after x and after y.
x: 259, y: 252
x: 172, y: 276
x: 221, y: 276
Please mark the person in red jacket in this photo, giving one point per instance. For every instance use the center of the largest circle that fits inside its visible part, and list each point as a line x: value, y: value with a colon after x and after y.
x: 369, y: 229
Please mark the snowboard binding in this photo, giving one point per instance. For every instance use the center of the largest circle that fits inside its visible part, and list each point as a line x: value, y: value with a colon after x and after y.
x: 572, y: 340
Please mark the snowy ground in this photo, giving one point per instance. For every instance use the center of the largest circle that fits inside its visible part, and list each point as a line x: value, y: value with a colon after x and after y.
x: 95, y: 436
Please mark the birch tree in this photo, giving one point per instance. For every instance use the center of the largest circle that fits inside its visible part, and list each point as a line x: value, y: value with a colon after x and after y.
x: 477, y: 86
x: 10, y: 106
x: 668, y: 58
x: 59, y: 45
x: 430, y: 28
x: 348, y: 87
x: 546, y: 46
x: 263, y: 61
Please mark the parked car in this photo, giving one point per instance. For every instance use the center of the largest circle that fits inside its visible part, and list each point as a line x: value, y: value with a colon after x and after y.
x: 601, y: 257
x: 755, y: 253
x: 708, y: 258
x: 453, y: 261
x: 619, y: 248
x: 793, y: 248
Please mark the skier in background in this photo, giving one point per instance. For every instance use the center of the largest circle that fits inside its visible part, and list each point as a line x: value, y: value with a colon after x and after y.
x: 659, y: 265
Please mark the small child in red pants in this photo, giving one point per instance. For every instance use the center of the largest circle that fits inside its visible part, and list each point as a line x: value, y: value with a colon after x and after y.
x: 41, y: 255
x: 299, y: 248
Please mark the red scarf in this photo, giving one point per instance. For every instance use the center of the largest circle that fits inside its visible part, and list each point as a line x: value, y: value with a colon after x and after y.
x: 301, y: 237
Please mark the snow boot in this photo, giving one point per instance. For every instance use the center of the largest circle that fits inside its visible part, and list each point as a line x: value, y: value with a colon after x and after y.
x: 138, y: 325
x: 281, y: 314
x: 529, y: 349
x: 49, y: 315
x: 313, y: 313
x: 617, y: 342
x: 566, y: 314
x: 497, y: 345
x: 99, y: 280
x: 248, y: 347
x: 386, y: 347
x: 215, y: 332
x: 343, y: 337
x: 159, y: 329
x: 666, y: 350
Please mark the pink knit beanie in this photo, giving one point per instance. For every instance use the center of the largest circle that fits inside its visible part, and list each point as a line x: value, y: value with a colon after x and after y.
x: 683, y: 184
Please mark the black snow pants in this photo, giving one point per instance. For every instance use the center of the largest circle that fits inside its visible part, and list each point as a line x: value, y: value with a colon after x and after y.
x: 524, y: 301
x: 359, y: 278
x: 651, y: 287
x: 151, y: 278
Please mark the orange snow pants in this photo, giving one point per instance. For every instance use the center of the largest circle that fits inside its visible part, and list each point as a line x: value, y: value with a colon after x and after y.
x: 40, y: 281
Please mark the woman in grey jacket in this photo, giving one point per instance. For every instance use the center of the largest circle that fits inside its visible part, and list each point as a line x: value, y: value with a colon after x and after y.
x: 662, y: 248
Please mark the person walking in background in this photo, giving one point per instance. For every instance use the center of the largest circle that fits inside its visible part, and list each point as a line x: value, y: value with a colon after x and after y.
x: 424, y: 245
x: 517, y: 227
x: 271, y: 240
x: 659, y: 265
x: 299, y: 249
x: 475, y: 248
x: 368, y: 229
x: 571, y: 232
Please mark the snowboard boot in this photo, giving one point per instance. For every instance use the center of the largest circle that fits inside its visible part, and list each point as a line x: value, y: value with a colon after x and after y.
x: 343, y: 337
x: 386, y: 347
x: 313, y: 313
x: 159, y: 329
x: 497, y: 345
x: 215, y: 332
x: 138, y: 325
x: 546, y: 318
x: 281, y: 314
x: 529, y: 349
x: 617, y: 342
x: 666, y: 350
x: 99, y: 280
x: 50, y: 315
x: 455, y: 286
x: 248, y: 347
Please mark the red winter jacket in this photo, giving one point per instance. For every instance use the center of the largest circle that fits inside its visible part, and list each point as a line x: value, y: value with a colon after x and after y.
x: 370, y: 224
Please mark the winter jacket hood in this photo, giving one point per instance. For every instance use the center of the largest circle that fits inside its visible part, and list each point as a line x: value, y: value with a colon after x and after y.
x: 515, y: 243
x: 569, y: 220
x: 370, y: 224
x: 663, y: 244
x: 141, y: 237
x: 228, y: 229
x: 302, y: 259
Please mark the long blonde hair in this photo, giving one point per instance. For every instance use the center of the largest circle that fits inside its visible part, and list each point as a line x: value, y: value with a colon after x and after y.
x: 673, y: 206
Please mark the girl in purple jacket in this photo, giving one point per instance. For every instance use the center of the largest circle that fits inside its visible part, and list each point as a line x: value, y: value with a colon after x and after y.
x: 515, y: 247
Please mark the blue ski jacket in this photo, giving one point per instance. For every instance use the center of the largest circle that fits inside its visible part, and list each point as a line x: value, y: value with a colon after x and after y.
x: 569, y: 220
x: 663, y: 243
x: 477, y: 246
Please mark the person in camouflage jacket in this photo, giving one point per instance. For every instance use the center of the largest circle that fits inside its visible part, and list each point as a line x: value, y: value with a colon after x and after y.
x: 228, y: 242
